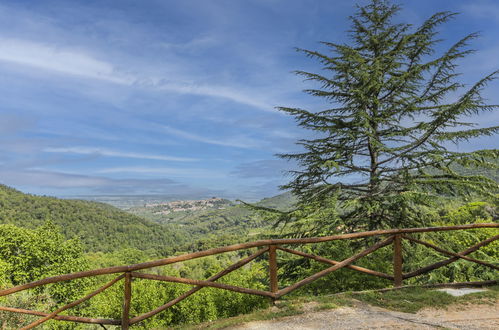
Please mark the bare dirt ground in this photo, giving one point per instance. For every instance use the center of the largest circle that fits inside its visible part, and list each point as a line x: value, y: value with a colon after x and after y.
x: 364, y: 316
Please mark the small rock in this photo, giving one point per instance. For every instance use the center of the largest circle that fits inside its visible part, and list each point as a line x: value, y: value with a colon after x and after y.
x: 461, y: 291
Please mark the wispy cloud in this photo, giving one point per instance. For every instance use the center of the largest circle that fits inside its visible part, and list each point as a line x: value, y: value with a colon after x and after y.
x: 267, y: 168
x: 80, y: 63
x: 482, y: 9
x: 236, y: 141
x: 64, y: 61
x: 216, y: 91
x: 114, y: 153
x: 86, y: 86
x: 170, y: 171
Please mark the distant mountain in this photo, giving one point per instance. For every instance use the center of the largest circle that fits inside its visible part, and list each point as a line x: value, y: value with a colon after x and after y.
x: 100, y: 227
x: 282, y: 202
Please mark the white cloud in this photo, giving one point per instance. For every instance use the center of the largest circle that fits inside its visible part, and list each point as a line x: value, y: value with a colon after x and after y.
x: 285, y: 134
x: 60, y: 60
x: 113, y: 153
x: 217, y: 91
x: 175, y: 172
x: 195, y: 44
x: 78, y: 63
x: 238, y: 141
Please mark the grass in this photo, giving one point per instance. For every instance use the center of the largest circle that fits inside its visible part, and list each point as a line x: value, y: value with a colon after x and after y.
x: 281, y: 309
x: 408, y: 300
x: 411, y: 300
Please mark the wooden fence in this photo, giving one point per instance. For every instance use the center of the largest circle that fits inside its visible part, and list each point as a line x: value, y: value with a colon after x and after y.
x: 394, y: 237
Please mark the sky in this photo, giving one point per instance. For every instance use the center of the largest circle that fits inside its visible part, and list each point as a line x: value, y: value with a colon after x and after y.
x: 179, y: 98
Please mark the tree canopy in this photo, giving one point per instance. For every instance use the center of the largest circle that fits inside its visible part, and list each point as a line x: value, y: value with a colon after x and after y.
x: 100, y: 227
x: 383, y: 147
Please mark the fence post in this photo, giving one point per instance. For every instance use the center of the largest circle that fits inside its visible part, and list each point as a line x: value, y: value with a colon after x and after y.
x: 397, y: 260
x: 125, y: 319
x: 273, y: 269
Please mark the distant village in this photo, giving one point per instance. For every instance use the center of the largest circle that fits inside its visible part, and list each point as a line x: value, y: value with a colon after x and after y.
x: 189, y: 205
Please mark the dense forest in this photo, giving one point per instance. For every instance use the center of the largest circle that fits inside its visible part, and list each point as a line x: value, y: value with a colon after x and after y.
x: 104, y: 228
x: 40, y: 247
x: 100, y: 227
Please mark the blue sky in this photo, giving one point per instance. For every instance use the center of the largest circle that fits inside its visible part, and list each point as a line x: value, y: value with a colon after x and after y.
x: 177, y: 97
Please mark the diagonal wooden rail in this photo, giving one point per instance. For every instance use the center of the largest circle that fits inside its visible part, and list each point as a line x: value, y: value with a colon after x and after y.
x: 128, y: 273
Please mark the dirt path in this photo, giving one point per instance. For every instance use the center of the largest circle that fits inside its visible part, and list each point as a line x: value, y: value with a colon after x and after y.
x: 363, y: 316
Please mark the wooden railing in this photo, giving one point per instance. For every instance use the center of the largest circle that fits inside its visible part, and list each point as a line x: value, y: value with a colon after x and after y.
x: 395, y: 237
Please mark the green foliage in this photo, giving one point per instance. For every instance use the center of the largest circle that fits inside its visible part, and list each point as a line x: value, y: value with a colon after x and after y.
x: 126, y: 256
x: 100, y: 227
x: 205, y: 305
x: 380, y: 151
x: 293, y: 269
x: 210, y: 303
x: 456, y: 241
x: 28, y: 255
x: 25, y: 300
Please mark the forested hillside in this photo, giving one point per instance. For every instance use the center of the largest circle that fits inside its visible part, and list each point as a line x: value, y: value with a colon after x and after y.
x: 222, y: 224
x: 100, y: 227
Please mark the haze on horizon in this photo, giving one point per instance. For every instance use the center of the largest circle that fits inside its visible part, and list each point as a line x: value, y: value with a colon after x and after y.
x: 178, y: 98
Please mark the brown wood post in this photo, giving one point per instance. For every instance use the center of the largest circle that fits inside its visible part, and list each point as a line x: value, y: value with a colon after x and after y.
x: 274, y: 287
x: 125, y: 319
x: 397, y: 260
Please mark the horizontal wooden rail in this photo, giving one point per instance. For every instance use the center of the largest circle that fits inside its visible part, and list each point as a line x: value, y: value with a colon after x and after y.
x: 342, y: 264
x: 333, y: 262
x: 203, y: 283
x: 70, y: 305
x: 395, y: 237
x: 215, y: 277
x: 235, y: 247
x: 436, y: 248
x: 70, y: 318
x: 442, y: 263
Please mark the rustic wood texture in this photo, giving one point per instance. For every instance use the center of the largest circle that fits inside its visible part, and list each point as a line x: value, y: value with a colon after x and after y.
x: 72, y: 304
x: 215, y: 277
x: 334, y: 262
x: 342, y: 264
x: 236, y: 247
x: 450, y: 260
x: 274, y: 286
x: 449, y: 253
x: 78, y: 319
x: 397, y: 260
x: 127, y: 297
x: 202, y: 283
